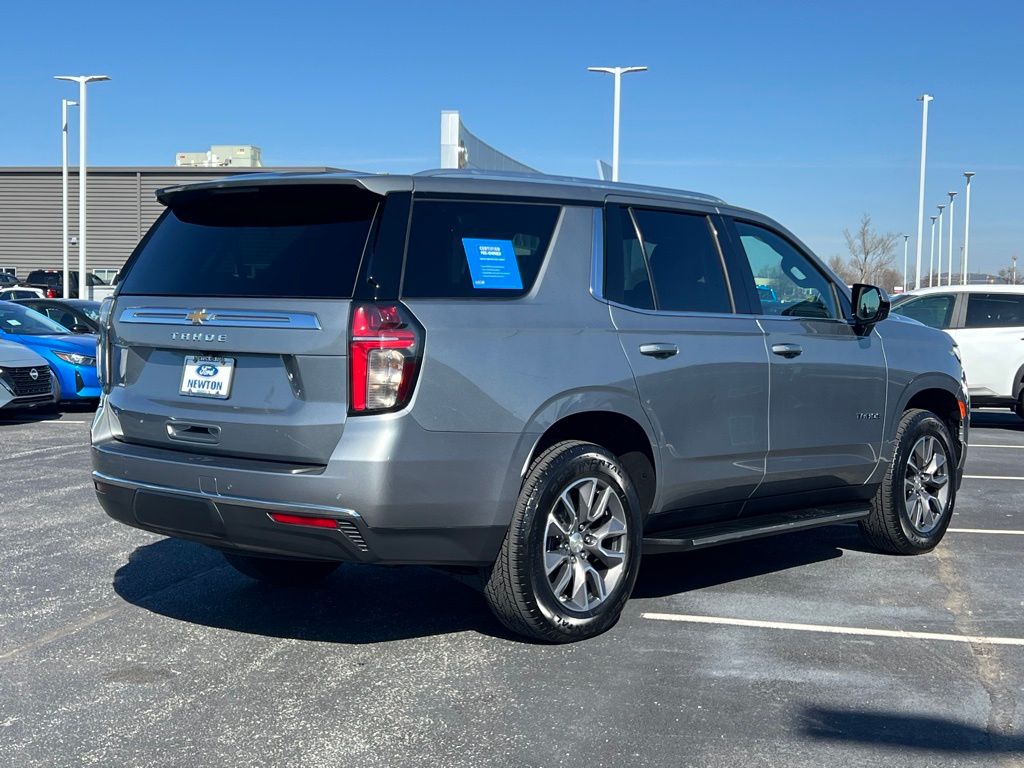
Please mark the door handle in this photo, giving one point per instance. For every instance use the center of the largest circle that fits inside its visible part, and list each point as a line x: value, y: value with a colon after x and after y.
x: 787, y: 350
x: 659, y: 351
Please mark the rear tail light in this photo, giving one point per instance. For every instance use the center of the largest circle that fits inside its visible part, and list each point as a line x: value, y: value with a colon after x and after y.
x: 385, y: 349
x: 104, y: 370
x: 51, y: 293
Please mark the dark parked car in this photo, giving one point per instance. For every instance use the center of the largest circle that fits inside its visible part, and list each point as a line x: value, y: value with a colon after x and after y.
x: 77, y: 315
x: 51, y: 281
x: 7, y: 280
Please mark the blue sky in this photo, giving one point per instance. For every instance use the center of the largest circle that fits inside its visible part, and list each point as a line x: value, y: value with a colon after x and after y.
x: 805, y: 111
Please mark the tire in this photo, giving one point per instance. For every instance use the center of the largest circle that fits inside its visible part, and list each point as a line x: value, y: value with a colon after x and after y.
x: 1018, y: 408
x: 901, y: 522
x: 526, y: 588
x: 287, y: 573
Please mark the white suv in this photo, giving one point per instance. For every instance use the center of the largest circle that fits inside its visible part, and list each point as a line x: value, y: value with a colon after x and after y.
x: 987, y: 322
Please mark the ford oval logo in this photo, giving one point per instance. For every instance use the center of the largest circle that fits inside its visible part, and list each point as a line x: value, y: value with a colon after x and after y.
x: 207, y: 370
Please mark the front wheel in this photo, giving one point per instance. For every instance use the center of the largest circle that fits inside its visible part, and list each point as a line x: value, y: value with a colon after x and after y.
x: 914, y: 504
x: 572, y: 551
x: 290, y: 573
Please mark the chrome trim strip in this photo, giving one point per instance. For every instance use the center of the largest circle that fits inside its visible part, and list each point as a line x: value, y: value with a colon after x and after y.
x: 222, y: 318
x: 280, y: 506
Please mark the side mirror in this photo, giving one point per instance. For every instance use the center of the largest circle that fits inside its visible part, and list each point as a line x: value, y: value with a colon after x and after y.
x: 870, y: 305
x: 81, y: 329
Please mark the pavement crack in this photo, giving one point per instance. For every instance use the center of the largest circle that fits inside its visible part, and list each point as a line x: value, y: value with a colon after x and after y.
x: 1002, y: 701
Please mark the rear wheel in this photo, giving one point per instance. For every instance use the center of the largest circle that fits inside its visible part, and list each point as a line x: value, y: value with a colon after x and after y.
x: 292, y: 573
x: 572, y: 552
x: 1019, y: 407
x: 914, y: 504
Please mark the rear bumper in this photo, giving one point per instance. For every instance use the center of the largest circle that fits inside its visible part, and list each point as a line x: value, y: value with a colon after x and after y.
x: 397, y: 493
x: 245, y: 525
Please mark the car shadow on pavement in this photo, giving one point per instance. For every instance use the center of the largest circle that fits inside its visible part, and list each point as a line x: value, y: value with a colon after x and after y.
x: 372, y: 604
x: 356, y: 604
x: 997, y: 420
x: 672, y: 574
x: 906, y: 732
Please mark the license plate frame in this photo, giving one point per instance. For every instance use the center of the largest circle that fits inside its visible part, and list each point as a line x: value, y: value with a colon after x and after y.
x: 217, y: 383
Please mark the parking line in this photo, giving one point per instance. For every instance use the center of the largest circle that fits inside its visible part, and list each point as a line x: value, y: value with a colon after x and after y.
x: 831, y: 630
x: 50, y: 421
x: 992, y: 445
x: 991, y: 477
x: 985, y: 530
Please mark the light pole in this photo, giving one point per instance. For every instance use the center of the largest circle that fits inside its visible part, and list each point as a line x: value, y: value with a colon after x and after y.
x: 924, y: 99
x: 82, y: 80
x: 967, y: 226
x: 906, y: 239
x: 931, y: 250
x: 949, y: 275
x: 618, y: 72
x: 940, y: 247
x: 64, y: 104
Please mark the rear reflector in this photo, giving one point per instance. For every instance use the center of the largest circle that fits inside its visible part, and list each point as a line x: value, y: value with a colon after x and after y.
x: 312, y: 522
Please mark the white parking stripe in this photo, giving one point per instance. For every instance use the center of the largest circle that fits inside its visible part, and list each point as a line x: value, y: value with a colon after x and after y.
x: 51, y: 421
x: 862, y: 631
x: 985, y: 530
x: 991, y: 477
x: 992, y: 445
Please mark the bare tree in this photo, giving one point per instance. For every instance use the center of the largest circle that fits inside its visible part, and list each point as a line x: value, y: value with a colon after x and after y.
x: 841, y: 268
x: 871, y: 255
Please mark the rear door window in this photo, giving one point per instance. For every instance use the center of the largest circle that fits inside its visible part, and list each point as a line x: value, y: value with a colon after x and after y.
x: 994, y: 310
x: 933, y: 311
x: 275, y: 241
x: 474, y: 249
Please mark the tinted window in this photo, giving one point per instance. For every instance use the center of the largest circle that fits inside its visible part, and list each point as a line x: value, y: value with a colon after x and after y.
x: 994, y: 310
x: 626, y: 279
x: 684, y: 262
x: 934, y: 311
x: 26, y: 322
x: 787, y: 281
x: 460, y: 249
x: 273, y: 241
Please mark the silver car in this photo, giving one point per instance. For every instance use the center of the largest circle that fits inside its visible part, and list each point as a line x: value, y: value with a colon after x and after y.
x: 538, y: 377
x: 25, y: 379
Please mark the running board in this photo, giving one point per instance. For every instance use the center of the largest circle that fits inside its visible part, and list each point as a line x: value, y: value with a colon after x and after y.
x: 746, y: 528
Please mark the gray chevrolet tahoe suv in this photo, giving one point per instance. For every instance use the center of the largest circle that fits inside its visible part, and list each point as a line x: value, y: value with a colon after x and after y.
x: 541, y: 378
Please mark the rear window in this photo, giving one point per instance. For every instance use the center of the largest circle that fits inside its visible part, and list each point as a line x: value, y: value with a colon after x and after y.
x: 287, y: 241
x: 460, y: 249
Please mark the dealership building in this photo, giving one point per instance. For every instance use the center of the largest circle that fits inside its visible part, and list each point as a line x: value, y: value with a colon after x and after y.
x: 121, y: 205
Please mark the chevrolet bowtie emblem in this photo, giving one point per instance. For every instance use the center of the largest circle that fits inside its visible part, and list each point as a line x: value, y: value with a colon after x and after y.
x: 198, y: 316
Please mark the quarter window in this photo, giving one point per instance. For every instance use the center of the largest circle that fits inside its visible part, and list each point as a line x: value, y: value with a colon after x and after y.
x: 787, y: 281
x: 994, y: 310
x: 933, y: 311
x: 468, y: 250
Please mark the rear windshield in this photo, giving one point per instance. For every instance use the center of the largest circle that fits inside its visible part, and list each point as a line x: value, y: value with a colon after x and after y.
x: 287, y: 241
x: 460, y: 249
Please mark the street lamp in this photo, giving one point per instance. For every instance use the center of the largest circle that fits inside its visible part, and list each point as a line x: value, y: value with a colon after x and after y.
x: 618, y: 72
x: 82, y: 81
x: 906, y: 238
x: 949, y: 275
x: 940, y: 248
x: 931, y: 251
x: 924, y: 99
x: 967, y: 227
x: 64, y: 104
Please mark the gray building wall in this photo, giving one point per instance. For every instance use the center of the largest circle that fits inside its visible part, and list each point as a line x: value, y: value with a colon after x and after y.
x: 122, y: 205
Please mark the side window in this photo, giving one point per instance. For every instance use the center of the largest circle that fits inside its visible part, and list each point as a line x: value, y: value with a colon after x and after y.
x: 626, y: 279
x: 787, y: 281
x: 994, y: 310
x: 933, y: 311
x: 683, y: 260
x: 462, y: 249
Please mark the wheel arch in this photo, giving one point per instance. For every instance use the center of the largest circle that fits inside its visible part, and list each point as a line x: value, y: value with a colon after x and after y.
x: 940, y: 394
x: 624, y: 431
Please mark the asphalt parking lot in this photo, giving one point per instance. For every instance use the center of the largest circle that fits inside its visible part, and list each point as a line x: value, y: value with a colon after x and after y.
x: 118, y: 647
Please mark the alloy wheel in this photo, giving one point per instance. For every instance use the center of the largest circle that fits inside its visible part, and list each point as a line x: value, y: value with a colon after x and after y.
x: 926, y: 484
x: 585, y: 544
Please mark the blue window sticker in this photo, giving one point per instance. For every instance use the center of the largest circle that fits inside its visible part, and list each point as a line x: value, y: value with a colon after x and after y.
x: 492, y: 264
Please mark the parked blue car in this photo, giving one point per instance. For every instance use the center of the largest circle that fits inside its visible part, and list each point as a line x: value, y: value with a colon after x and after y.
x: 72, y: 357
